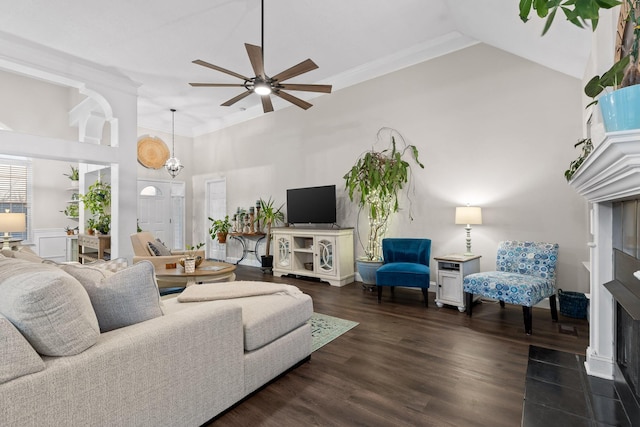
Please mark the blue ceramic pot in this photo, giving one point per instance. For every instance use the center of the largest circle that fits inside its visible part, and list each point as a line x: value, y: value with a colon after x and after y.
x: 621, y: 109
x: 367, y: 270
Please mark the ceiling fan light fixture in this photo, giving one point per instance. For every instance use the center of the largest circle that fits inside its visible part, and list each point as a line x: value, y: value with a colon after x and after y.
x: 261, y: 88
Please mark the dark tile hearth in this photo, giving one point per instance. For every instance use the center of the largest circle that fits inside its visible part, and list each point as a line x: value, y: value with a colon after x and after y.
x: 558, y: 392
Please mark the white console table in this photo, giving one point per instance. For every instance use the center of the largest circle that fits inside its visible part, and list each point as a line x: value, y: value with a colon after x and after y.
x: 326, y: 254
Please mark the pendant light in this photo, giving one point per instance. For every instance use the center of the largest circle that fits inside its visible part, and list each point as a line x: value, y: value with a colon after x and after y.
x: 173, y: 165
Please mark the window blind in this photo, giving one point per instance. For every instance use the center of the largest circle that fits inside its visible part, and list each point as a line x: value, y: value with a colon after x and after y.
x: 16, y: 181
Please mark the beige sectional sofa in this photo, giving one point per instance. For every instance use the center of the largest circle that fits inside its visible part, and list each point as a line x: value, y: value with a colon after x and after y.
x: 69, y: 356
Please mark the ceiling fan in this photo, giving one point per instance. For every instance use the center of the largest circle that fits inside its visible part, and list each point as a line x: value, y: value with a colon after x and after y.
x: 264, y: 85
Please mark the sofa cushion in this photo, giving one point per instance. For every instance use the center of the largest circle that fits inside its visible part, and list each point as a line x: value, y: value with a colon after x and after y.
x: 17, y: 357
x: 120, y: 299
x: 22, y: 252
x: 268, y: 317
x: 50, y: 308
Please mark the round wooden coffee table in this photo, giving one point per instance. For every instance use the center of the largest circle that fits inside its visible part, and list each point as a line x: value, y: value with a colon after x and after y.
x: 208, y: 271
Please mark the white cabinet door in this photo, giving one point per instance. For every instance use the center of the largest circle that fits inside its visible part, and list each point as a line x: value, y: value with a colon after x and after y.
x: 449, y: 289
x: 325, y: 255
x: 282, y: 252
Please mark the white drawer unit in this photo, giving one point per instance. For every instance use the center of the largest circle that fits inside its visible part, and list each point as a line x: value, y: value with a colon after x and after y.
x: 451, y: 271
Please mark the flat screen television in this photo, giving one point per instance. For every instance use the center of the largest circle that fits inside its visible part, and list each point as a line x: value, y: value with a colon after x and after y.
x: 312, y: 205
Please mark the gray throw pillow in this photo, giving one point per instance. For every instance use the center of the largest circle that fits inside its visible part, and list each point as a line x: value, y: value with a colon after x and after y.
x: 158, y: 248
x: 49, y: 307
x: 17, y: 357
x: 120, y: 299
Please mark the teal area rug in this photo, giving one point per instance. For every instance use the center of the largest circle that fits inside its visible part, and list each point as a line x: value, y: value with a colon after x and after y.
x: 325, y: 329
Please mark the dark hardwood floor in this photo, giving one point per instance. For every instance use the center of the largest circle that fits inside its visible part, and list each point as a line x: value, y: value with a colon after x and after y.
x: 407, y: 365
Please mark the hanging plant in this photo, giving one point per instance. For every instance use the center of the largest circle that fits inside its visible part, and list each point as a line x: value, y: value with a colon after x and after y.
x: 574, y: 165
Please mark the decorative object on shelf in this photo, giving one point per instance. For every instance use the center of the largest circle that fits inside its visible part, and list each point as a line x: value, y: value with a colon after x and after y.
x: 468, y: 216
x: 269, y: 216
x: 378, y: 177
x: 587, y: 147
x: 220, y: 228
x: 624, y: 73
x: 263, y: 85
x: 74, y: 176
x: 153, y: 153
x: 71, y: 211
x: 97, y: 200
x: 91, y: 226
x: 71, y: 230
x: 173, y: 165
x: 11, y: 222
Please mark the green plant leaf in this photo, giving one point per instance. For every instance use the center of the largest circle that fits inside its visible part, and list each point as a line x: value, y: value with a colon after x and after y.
x: 525, y: 10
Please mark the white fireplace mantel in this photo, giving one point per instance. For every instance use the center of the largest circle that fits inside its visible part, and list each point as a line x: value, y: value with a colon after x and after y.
x: 610, y: 173
x: 612, y: 170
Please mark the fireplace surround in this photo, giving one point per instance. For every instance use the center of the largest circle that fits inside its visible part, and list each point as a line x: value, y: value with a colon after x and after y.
x: 610, y: 181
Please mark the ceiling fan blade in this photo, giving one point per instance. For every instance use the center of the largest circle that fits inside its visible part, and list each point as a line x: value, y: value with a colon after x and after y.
x: 301, y: 68
x: 255, y: 56
x: 308, y: 88
x: 222, y: 70
x: 216, y: 84
x: 294, y: 100
x: 235, y: 99
x: 267, y: 106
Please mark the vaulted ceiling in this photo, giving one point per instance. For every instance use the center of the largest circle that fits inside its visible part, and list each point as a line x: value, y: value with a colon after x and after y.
x: 154, y: 41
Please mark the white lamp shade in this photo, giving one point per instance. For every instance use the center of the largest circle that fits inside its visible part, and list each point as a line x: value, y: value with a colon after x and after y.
x: 12, y: 222
x: 468, y: 215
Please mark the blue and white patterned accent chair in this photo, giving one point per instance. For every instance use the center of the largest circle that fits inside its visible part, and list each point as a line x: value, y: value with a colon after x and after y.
x: 526, y: 274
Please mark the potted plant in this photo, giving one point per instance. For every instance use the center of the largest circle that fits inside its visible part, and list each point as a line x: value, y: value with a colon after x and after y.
x: 618, y: 107
x: 91, y: 226
x: 220, y: 228
x: 374, y: 182
x: 191, y: 254
x: 97, y: 201
x: 74, y: 176
x: 269, y: 216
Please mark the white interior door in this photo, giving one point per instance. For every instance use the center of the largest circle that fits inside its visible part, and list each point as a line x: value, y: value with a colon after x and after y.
x: 154, y: 209
x: 216, y: 208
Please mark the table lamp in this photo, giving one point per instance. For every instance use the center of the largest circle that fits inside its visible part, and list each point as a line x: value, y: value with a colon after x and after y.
x: 11, y: 222
x: 468, y: 215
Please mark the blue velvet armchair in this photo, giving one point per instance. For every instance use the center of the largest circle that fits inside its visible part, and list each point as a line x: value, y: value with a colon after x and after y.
x: 525, y: 275
x: 406, y: 263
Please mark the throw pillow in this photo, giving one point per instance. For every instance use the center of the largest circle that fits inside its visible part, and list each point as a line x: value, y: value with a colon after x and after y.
x: 113, y: 265
x: 17, y: 357
x: 49, y: 307
x: 120, y: 299
x: 158, y: 248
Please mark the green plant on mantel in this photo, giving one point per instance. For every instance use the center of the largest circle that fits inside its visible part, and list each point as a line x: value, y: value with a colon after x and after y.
x: 375, y: 181
x: 584, y: 13
x: 587, y: 147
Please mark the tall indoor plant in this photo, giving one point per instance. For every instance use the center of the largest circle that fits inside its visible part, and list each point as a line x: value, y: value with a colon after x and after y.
x: 269, y: 216
x: 374, y: 182
x: 619, y: 107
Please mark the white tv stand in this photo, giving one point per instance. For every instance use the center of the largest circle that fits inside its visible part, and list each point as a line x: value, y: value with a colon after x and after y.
x: 326, y: 254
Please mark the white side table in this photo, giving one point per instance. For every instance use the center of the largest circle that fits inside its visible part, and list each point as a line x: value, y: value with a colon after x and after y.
x: 451, y: 271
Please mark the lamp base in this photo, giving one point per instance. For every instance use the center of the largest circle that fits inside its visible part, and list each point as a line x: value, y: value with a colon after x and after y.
x: 6, y: 242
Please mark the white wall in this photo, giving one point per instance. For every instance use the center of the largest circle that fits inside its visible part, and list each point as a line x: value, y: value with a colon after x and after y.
x: 492, y: 129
